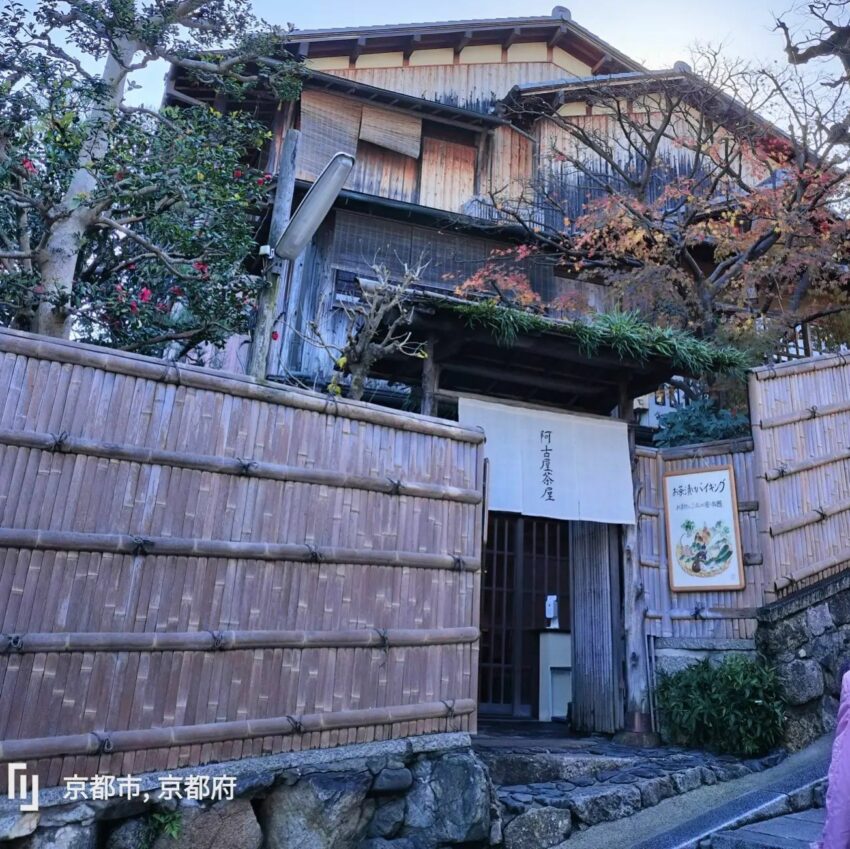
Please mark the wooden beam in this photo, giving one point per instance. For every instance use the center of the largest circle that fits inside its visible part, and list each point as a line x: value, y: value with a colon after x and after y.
x: 511, y: 38
x: 600, y: 64
x: 502, y: 374
x: 414, y: 44
x: 556, y: 36
x: 359, y: 45
x: 634, y: 599
x: 463, y: 41
x: 172, y: 93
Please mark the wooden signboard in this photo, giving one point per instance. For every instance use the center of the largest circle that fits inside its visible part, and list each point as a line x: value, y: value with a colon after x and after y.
x: 703, y: 536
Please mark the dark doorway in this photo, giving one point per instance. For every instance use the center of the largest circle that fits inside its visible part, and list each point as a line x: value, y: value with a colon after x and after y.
x: 525, y: 560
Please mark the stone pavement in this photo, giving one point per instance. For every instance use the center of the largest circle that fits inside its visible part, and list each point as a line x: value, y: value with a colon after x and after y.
x: 793, y: 831
x: 562, y: 792
x: 549, y: 787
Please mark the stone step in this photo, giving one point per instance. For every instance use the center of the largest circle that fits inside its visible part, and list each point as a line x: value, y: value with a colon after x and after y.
x: 793, y: 831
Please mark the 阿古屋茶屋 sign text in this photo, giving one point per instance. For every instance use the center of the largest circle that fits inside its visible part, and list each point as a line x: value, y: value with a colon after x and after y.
x: 555, y: 465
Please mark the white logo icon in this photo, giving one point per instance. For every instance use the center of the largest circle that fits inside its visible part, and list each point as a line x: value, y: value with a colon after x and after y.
x: 25, y: 788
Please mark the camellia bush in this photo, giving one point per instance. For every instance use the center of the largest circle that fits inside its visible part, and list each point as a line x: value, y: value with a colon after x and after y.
x: 119, y: 224
x: 732, y: 707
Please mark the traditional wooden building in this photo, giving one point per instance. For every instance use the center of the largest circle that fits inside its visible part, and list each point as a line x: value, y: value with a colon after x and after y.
x: 434, y: 115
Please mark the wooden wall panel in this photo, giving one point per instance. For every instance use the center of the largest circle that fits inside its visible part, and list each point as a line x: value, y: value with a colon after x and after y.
x: 472, y: 86
x: 195, y: 567
x: 448, y: 174
x: 511, y: 164
x: 382, y: 172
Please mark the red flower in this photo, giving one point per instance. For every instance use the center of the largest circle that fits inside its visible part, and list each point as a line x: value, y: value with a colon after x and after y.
x: 176, y: 290
x: 261, y: 181
x: 145, y: 294
x: 131, y: 266
x: 201, y: 267
x: 134, y: 307
x: 28, y: 166
x: 237, y: 173
x: 275, y: 335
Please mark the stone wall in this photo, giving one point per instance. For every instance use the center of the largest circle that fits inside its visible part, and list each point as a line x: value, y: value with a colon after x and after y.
x: 807, y: 636
x: 672, y: 654
x: 418, y: 793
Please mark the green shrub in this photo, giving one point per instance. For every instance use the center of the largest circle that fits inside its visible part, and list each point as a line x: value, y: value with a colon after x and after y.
x: 700, y: 421
x: 733, y: 707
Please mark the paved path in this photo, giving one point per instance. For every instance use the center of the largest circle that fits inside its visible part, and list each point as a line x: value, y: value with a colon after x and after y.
x: 794, y: 831
x: 683, y: 820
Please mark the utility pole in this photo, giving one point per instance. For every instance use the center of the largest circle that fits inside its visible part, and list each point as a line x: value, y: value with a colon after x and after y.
x: 272, y: 299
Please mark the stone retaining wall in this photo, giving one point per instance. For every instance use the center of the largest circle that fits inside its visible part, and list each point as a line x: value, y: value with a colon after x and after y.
x: 807, y: 636
x: 673, y: 654
x: 417, y: 793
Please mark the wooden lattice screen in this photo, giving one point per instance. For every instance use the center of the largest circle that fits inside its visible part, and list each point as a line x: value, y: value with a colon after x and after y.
x: 195, y: 567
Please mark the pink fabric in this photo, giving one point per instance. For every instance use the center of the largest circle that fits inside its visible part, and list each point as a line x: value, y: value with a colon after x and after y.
x: 836, y: 832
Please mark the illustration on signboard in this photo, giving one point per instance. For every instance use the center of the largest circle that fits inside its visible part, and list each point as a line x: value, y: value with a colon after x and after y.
x: 705, y: 551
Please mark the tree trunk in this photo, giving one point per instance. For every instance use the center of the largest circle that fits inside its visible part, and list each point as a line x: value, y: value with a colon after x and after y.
x: 57, y: 261
x: 358, y: 384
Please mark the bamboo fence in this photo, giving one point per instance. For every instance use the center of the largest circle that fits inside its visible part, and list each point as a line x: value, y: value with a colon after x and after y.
x: 720, y: 614
x: 196, y: 567
x: 801, y: 430
x: 793, y: 489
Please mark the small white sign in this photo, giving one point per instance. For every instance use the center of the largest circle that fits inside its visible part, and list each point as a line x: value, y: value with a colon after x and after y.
x: 703, y: 537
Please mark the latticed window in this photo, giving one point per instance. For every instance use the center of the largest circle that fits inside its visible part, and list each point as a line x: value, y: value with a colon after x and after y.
x: 361, y: 240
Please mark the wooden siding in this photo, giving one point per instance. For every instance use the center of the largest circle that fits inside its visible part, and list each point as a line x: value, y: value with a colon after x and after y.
x: 448, y: 174
x: 511, y: 163
x: 195, y: 567
x: 472, y: 86
x: 574, y: 189
x: 382, y: 172
x: 801, y: 430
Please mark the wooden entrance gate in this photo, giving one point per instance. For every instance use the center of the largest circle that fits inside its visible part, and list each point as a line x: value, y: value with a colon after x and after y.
x: 525, y: 560
x: 598, y: 685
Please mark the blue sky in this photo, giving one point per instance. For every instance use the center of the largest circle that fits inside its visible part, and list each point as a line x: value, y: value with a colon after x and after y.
x: 655, y: 32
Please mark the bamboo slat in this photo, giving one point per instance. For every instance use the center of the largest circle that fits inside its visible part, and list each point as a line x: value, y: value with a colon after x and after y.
x: 153, y: 738
x: 65, y: 443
